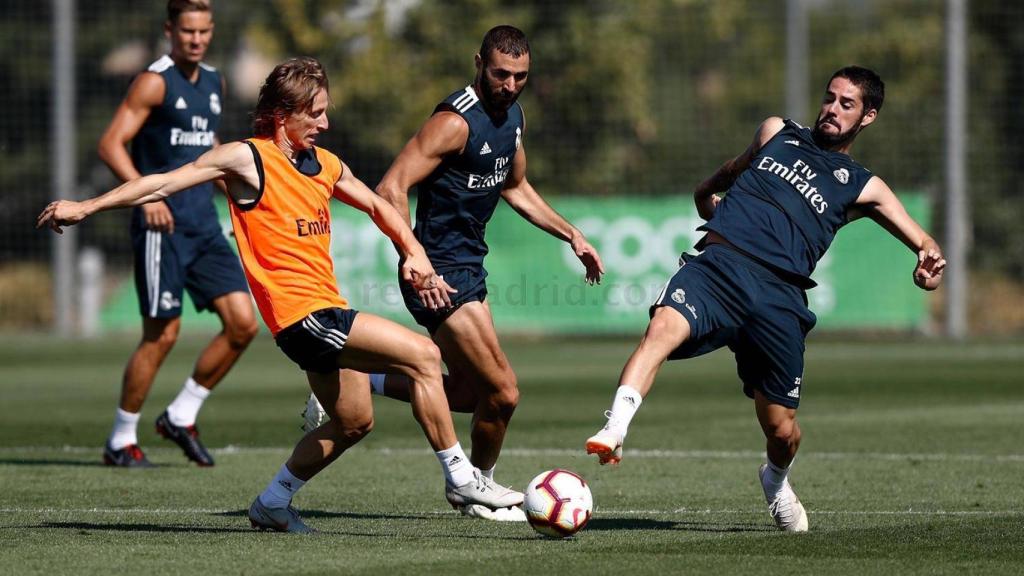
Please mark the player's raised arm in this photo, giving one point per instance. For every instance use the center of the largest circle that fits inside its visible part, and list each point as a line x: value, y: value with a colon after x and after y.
x: 705, y: 196
x: 525, y: 200
x: 416, y: 267
x: 220, y: 162
x: 443, y: 133
x: 878, y: 202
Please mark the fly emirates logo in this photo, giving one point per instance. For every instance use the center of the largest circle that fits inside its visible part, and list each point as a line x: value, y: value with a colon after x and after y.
x: 322, y: 225
x: 197, y: 136
x: 493, y: 179
x: 800, y: 176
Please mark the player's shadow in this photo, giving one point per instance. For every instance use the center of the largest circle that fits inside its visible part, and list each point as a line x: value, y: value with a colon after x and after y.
x: 85, y: 527
x: 47, y: 462
x: 346, y: 515
x: 630, y: 523
x: 322, y: 514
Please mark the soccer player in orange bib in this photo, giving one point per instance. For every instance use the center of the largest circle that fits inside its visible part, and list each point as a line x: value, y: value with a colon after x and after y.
x: 280, y: 184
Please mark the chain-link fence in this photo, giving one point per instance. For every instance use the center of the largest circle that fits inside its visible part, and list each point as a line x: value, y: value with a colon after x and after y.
x: 625, y: 98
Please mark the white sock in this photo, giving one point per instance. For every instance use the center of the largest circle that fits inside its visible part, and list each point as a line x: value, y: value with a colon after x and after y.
x: 627, y: 402
x: 281, y: 489
x: 456, y: 466
x: 489, y: 473
x: 774, y: 478
x: 123, y: 433
x: 185, y: 408
x: 377, y: 383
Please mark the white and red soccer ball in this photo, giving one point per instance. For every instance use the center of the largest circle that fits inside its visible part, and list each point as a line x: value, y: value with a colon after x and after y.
x: 558, y: 503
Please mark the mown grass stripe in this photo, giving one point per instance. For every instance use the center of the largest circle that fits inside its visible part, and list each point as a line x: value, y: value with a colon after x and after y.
x: 535, y: 452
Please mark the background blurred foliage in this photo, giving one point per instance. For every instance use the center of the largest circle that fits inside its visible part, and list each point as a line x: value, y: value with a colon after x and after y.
x: 644, y: 97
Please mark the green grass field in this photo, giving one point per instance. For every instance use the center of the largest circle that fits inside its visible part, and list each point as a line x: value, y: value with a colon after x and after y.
x: 912, y: 463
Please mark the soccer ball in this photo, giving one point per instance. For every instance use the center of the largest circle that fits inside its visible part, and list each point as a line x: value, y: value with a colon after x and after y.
x: 558, y: 503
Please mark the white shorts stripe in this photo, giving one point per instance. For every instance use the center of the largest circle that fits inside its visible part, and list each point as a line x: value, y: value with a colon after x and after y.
x: 320, y: 335
x: 335, y: 338
x: 660, y: 300
x: 334, y: 331
x: 153, y: 239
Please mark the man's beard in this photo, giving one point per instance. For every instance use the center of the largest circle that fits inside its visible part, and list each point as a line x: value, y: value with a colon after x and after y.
x: 825, y: 140
x: 495, y: 102
x: 500, y: 103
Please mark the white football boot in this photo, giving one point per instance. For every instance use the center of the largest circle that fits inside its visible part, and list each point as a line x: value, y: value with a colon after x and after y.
x: 313, y: 415
x: 510, y: 514
x: 785, y: 508
x: 483, y: 491
x: 277, y: 519
x: 607, y: 443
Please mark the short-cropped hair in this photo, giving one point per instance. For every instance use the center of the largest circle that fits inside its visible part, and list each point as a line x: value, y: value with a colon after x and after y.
x: 505, y: 39
x: 871, y: 86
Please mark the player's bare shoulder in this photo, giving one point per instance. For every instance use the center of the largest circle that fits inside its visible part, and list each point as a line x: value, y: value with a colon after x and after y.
x: 768, y: 129
x: 148, y: 89
x: 237, y: 162
x: 875, y: 192
x: 445, y: 132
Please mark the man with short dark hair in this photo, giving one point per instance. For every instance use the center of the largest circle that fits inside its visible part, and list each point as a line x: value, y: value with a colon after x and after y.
x: 170, y: 115
x: 467, y: 156
x: 786, y: 197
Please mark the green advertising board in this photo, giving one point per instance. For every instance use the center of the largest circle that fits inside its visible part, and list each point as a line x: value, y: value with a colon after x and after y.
x: 535, y: 283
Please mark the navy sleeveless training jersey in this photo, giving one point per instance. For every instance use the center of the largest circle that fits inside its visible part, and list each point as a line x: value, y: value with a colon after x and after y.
x: 786, y: 208
x: 177, y: 132
x: 458, y: 199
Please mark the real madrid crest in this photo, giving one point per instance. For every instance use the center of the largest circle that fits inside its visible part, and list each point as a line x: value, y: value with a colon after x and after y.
x: 519, y: 137
x: 214, y: 103
x: 842, y: 175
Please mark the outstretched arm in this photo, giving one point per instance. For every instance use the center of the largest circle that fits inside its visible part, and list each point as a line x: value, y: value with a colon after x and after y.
x: 705, y: 196
x: 443, y: 134
x: 416, y: 267
x: 878, y: 202
x: 223, y: 161
x: 522, y: 197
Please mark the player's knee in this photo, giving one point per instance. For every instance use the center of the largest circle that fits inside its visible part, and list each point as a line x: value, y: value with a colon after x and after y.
x: 163, y: 337
x: 507, y: 400
x: 505, y: 396
x: 667, y: 324
x: 166, y: 340
x: 785, y: 432
x: 240, y: 334
x: 353, y: 429
x: 426, y: 357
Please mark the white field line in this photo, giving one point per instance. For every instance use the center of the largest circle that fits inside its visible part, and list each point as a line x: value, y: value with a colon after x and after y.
x: 599, y: 510
x: 565, y: 452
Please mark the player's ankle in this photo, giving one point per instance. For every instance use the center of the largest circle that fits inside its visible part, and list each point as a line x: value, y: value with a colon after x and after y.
x: 774, y: 478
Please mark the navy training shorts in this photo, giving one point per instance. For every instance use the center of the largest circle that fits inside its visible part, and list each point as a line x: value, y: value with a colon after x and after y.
x: 315, y: 341
x: 168, y: 264
x: 470, y: 283
x: 731, y: 300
